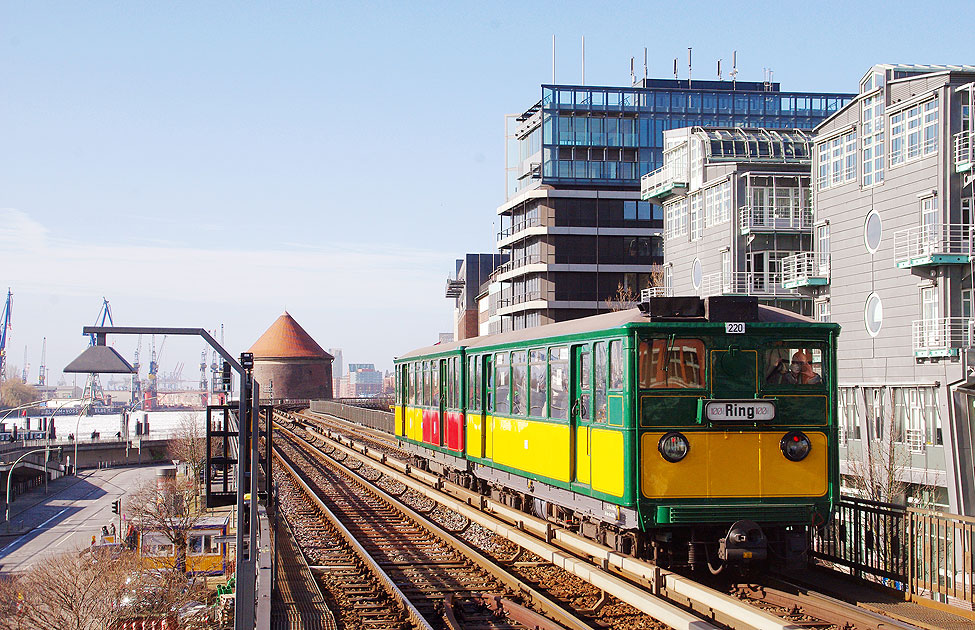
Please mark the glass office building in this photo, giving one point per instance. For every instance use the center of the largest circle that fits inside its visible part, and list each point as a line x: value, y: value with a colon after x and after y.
x: 573, y: 212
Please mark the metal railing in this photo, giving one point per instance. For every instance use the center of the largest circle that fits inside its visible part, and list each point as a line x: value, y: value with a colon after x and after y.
x: 531, y: 259
x: 664, y: 178
x: 652, y: 292
x: 964, y: 151
x: 743, y: 283
x: 382, y: 420
x: 922, y: 241
x: 805, y: 265
x: 940, y: 335
x: 518, y: 227
x: 771, y: 218
x: 924, y: 553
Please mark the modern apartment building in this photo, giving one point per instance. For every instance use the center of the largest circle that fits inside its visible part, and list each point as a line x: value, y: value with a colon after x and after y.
x: 573, y: 224
x: 472, y: 271
x: 892, y: 263
x: 736, y: 203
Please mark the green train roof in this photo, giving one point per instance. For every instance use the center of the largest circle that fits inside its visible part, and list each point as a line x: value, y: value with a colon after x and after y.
x: 593, y: 323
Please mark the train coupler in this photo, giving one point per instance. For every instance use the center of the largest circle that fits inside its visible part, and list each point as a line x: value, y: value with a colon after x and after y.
x: 744, y: 542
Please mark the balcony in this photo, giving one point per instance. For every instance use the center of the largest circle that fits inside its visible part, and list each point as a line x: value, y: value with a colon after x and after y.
x: 964, y: 151
x: 454, y: 288
x: 652, y: 292
x: 942, y: 337
x: 760, y: 284
x: 772, y: 219
x: 927, y: 245
x: 805, y: 269
x: 664, y: 181
x: 511, y: 265
x: 518, y: 227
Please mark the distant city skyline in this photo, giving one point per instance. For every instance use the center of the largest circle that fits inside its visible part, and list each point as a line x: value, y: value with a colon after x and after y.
x: 220, y: 163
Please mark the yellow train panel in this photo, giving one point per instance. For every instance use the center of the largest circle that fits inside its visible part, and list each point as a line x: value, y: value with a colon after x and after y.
x: 398, y: 421
x: 414, y: 424
x: 583, y: 458
x: 733, y: 465
x: 489, y: 437
x: 538, y: 448
x: 474, y: 436
x: 607, y: 462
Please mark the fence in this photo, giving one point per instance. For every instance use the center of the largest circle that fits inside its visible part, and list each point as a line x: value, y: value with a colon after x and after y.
x: 374, y: 418
x: 925, y: 554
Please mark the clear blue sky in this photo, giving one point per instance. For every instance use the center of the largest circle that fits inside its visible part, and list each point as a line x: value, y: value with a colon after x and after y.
x: 220, y: 162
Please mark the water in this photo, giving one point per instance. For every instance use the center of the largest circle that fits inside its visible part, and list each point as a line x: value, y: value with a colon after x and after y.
x: 161, y: 423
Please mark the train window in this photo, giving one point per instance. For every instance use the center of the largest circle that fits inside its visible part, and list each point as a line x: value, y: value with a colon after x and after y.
x: 585, y: 383
x: 519, y: 384
x: 794, y: 363
x: 601, y: 374
x: 671, y: 363
x: 435, y: 383
x: 489, y: 386
x: 411, y: 384
x: 474, y: 382
x: 454, y: 384
x: 616, y: 364
x: 558, y: 365
x: 426, y: 383
x: 538, y: 380
x: 501, y: 383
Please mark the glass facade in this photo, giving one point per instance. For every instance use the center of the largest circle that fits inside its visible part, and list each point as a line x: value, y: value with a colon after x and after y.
x: 612, y: 136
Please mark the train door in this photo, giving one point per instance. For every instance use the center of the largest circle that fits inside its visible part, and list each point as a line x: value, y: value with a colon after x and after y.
x: 439, y: 400
x: 580, y: 424
x: 404, y: 377
x: 487, y: 410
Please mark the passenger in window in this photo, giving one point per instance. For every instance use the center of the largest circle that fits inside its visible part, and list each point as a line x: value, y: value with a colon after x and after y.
x: 801, y: 371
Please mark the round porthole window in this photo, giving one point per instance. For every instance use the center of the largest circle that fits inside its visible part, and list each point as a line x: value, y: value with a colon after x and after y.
x: 873, y: 314
x: 873, y: 230
x: 697, y: 274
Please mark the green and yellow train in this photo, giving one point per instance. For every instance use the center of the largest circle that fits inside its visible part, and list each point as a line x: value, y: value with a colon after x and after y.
x: 690, y: 431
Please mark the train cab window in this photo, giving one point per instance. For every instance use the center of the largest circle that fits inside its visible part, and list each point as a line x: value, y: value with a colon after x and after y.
x: 519, y: 383
x: 558, y: 367
x: 538, y: 384
x: 501, y: 383
x: 474, y: 382
x: 671, y: 362
x: 794, y: 363
x: 616, y: 364
x: 601, y: 374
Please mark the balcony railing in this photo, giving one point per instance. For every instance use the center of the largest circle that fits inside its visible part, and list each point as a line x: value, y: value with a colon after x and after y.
x: 518, y: 227
x: 652, y: 292
x: 772, y: 219
x: 805, y: 269
x: 662, y: 181
x: 511, y: 300
x: 942, y: 337
x: 511, y: 265
x: 938, y: 244
x: 744, y: 283
x: 964, y: 151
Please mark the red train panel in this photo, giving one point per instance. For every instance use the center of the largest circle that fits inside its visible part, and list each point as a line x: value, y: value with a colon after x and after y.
x: 455, y: 430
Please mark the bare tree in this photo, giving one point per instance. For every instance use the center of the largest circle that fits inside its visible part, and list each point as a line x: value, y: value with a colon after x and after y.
x: 95, y: 589
x: 623, y: 299
x: 169, y: 508
x: 15, y: 393
x: 188, y: 445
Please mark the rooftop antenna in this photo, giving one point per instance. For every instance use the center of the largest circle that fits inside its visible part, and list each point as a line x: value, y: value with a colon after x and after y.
x: 645, y: 76
x: 689, y: 68
x: 632, y: 76
x: 583, y: 60
x: 675, y: 68
x: 734, y: 69
x: 553, y: 59
x: 719, y: 70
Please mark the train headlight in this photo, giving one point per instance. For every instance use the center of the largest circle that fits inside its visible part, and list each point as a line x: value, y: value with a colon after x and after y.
x: 673, y: 447
x: 795, y: 446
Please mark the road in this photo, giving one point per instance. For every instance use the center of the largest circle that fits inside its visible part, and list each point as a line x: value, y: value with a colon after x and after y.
x: 67, y: 518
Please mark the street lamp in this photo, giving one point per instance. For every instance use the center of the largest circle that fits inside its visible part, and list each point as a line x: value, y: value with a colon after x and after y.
x: 10, y: 476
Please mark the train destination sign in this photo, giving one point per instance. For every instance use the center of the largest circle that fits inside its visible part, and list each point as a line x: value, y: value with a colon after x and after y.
x: 739, y: 410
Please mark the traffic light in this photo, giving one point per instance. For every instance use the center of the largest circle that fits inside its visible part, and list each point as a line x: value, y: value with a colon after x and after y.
x: 116, y: 506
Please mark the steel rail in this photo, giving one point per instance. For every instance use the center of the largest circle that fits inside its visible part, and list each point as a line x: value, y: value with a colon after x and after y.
x: 622, y: 589
x: 388, y: 585
x: 723, y: 608
x: 551, y: 607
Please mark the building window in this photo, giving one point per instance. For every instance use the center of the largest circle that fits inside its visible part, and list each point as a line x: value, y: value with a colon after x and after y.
x: 966, y: 303
x: 822, y: 311
x: 873, y: 314
x: 717, y: 204
x: 676, y: 219
x: 822, y: 247
x: 697, y: 273
x: 726, y: 269
x: 873, y: 231
x: 697, y: 218
x: 849, y: 421
x: 914, y: 132
x: 837, y: 160
x: 872, y: 139
x: 669, y: 280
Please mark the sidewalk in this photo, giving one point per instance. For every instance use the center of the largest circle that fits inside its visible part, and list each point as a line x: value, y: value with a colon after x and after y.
x: 30, y: 499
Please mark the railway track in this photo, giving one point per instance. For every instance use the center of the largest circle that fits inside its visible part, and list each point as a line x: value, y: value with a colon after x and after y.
x: 382, y: 569
x: 769, y: 605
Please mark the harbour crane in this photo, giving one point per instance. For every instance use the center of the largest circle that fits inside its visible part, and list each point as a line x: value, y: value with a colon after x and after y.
x: 153, y: 387
x: 136, y: 388
x: 42, y: 370
x: 93, y: 388
x: 3, y: 335
x: 26, y: 371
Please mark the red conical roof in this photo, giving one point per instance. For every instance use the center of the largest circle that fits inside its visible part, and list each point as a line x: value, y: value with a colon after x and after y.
x: 287, y: 339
